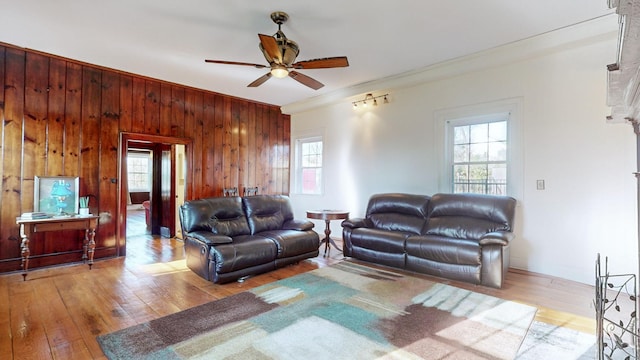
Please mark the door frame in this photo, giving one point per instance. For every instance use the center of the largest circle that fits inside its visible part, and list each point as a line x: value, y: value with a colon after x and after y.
x: 123, y: 147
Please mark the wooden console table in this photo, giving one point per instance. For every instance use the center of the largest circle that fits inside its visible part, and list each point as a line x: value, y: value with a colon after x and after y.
x: 30, y: 226
x: 327, y: 216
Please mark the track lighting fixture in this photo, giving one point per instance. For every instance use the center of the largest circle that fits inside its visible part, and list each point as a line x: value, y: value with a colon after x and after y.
x: 370, y: 99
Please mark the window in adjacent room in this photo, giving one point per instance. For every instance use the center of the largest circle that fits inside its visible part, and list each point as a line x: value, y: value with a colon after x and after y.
x: 139, y: 171
x: 479, y: 154
x: 309, y: 165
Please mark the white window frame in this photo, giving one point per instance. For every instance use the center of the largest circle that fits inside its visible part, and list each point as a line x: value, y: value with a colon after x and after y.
x: 298, y: 179
x: 447, y: 119
x: 141, y: 155
x: 476, y: 120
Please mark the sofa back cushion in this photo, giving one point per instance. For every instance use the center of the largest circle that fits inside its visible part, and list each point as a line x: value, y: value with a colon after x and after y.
x: 220, y: 215
x: 267, y: 212
x: 398, y: 212
x: 469, y: 216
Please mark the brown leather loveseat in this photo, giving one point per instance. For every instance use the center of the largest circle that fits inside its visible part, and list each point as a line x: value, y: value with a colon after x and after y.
x: 456, y: 236
x: 227, y: 238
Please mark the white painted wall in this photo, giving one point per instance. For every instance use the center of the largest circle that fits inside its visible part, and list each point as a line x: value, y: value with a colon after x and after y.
x: 589, y: 204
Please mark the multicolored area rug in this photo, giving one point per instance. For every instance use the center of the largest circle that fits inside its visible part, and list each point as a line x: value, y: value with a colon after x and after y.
x: 345, y: 311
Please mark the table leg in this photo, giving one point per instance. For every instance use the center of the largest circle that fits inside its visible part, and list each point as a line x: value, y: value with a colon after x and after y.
x: 24, y: 252
x: 327, y: 238
x: 85, y: 246
x: 92, y: 245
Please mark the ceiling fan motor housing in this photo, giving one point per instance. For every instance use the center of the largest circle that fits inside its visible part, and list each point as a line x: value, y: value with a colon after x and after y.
x: 288, y: 48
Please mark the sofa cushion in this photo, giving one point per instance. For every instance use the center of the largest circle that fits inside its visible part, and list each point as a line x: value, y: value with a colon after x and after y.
x: 444, y: 249
x: 461, y: 227
x: 398, y: 212
x: 245, y: 251
x: 292, y: 242
x: 379, y: 240
x: 267, y: 212
x: 469, y: 216
x: 221, y: 216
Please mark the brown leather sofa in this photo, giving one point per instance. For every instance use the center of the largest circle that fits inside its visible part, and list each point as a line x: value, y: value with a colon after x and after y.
x: 228, y: 238
x: 456, y: 236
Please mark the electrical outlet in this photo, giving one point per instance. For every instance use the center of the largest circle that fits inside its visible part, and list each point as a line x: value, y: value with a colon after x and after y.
x: 540, y: 184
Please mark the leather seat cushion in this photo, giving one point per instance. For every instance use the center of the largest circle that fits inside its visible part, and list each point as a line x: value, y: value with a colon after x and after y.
x: 293, y: 242
x: 444, y: 250
x: 245, y: 251
x: 379, y: 240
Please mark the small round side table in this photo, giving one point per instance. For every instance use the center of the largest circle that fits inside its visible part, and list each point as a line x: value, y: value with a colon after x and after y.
x: 327, y: 216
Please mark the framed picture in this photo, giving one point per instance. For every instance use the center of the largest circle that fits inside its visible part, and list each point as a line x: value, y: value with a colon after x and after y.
x: 56, y: 195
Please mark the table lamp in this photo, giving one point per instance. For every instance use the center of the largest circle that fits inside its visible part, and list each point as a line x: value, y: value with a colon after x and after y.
x: 60, y: 190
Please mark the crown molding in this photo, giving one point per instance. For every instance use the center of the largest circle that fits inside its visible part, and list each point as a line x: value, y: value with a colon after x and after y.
x: 604, y: 28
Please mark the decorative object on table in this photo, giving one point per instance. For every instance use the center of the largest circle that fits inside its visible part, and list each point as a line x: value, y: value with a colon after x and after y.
x: 327, y: 216
x: 56, y: 195
x: 84, y: 206
x: 34, y: 215
x: 342, y: 311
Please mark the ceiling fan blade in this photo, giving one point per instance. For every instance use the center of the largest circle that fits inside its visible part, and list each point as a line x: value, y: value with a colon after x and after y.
x: 259, y: 81
x: 270, y: 46
x: 305, y: 80
x: 259, y: 66
x: 325, y: 63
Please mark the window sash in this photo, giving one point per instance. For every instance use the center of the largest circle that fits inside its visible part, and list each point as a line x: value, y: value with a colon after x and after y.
x: 479, y: 155
x: 309, y: 165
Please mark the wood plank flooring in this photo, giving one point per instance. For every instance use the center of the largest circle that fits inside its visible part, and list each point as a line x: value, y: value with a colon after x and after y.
x: 58, y: 312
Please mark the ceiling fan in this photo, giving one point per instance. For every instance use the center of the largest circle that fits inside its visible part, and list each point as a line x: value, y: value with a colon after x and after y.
x: 281, y: 53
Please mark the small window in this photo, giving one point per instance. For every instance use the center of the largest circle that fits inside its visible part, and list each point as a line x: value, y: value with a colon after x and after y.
x: 309, y: 165
x: 139, y: 171
x: 479, y: 155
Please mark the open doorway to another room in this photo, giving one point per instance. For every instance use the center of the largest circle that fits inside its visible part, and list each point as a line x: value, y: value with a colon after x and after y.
x: 139, y: 182
x: 153, y: 185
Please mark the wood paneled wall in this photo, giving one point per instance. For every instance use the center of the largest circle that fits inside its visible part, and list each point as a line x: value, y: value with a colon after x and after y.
x: 64, y: 118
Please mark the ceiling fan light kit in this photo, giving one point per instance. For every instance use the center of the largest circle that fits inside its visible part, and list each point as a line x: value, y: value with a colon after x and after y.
x: 279, y: 71
x: 281, y: 54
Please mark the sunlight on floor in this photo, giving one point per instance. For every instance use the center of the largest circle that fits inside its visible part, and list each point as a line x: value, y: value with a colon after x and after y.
x: 170, y: 267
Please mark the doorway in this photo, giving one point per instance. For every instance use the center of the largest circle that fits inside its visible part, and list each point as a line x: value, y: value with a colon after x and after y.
x: 139, y: 185
x: 168, y: 161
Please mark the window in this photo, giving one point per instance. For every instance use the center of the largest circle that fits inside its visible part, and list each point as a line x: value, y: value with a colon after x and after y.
x: 138, y: 171
x: 479, y: 147
x: 479, y: 154
x: 309, y: 165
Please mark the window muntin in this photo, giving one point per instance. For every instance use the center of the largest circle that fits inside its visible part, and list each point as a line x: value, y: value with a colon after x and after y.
x: 309, y: 165
x: 479, y: 161
x: 139, y: 171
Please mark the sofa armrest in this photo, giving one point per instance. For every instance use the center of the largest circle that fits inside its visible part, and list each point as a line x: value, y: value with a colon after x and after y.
x: 210, y: 238
x: 300, y: 225
x: 497, y: 238
x: 356, y: 223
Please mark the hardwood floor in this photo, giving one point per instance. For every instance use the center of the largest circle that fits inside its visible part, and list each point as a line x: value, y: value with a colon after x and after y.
x: 58, y: 312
